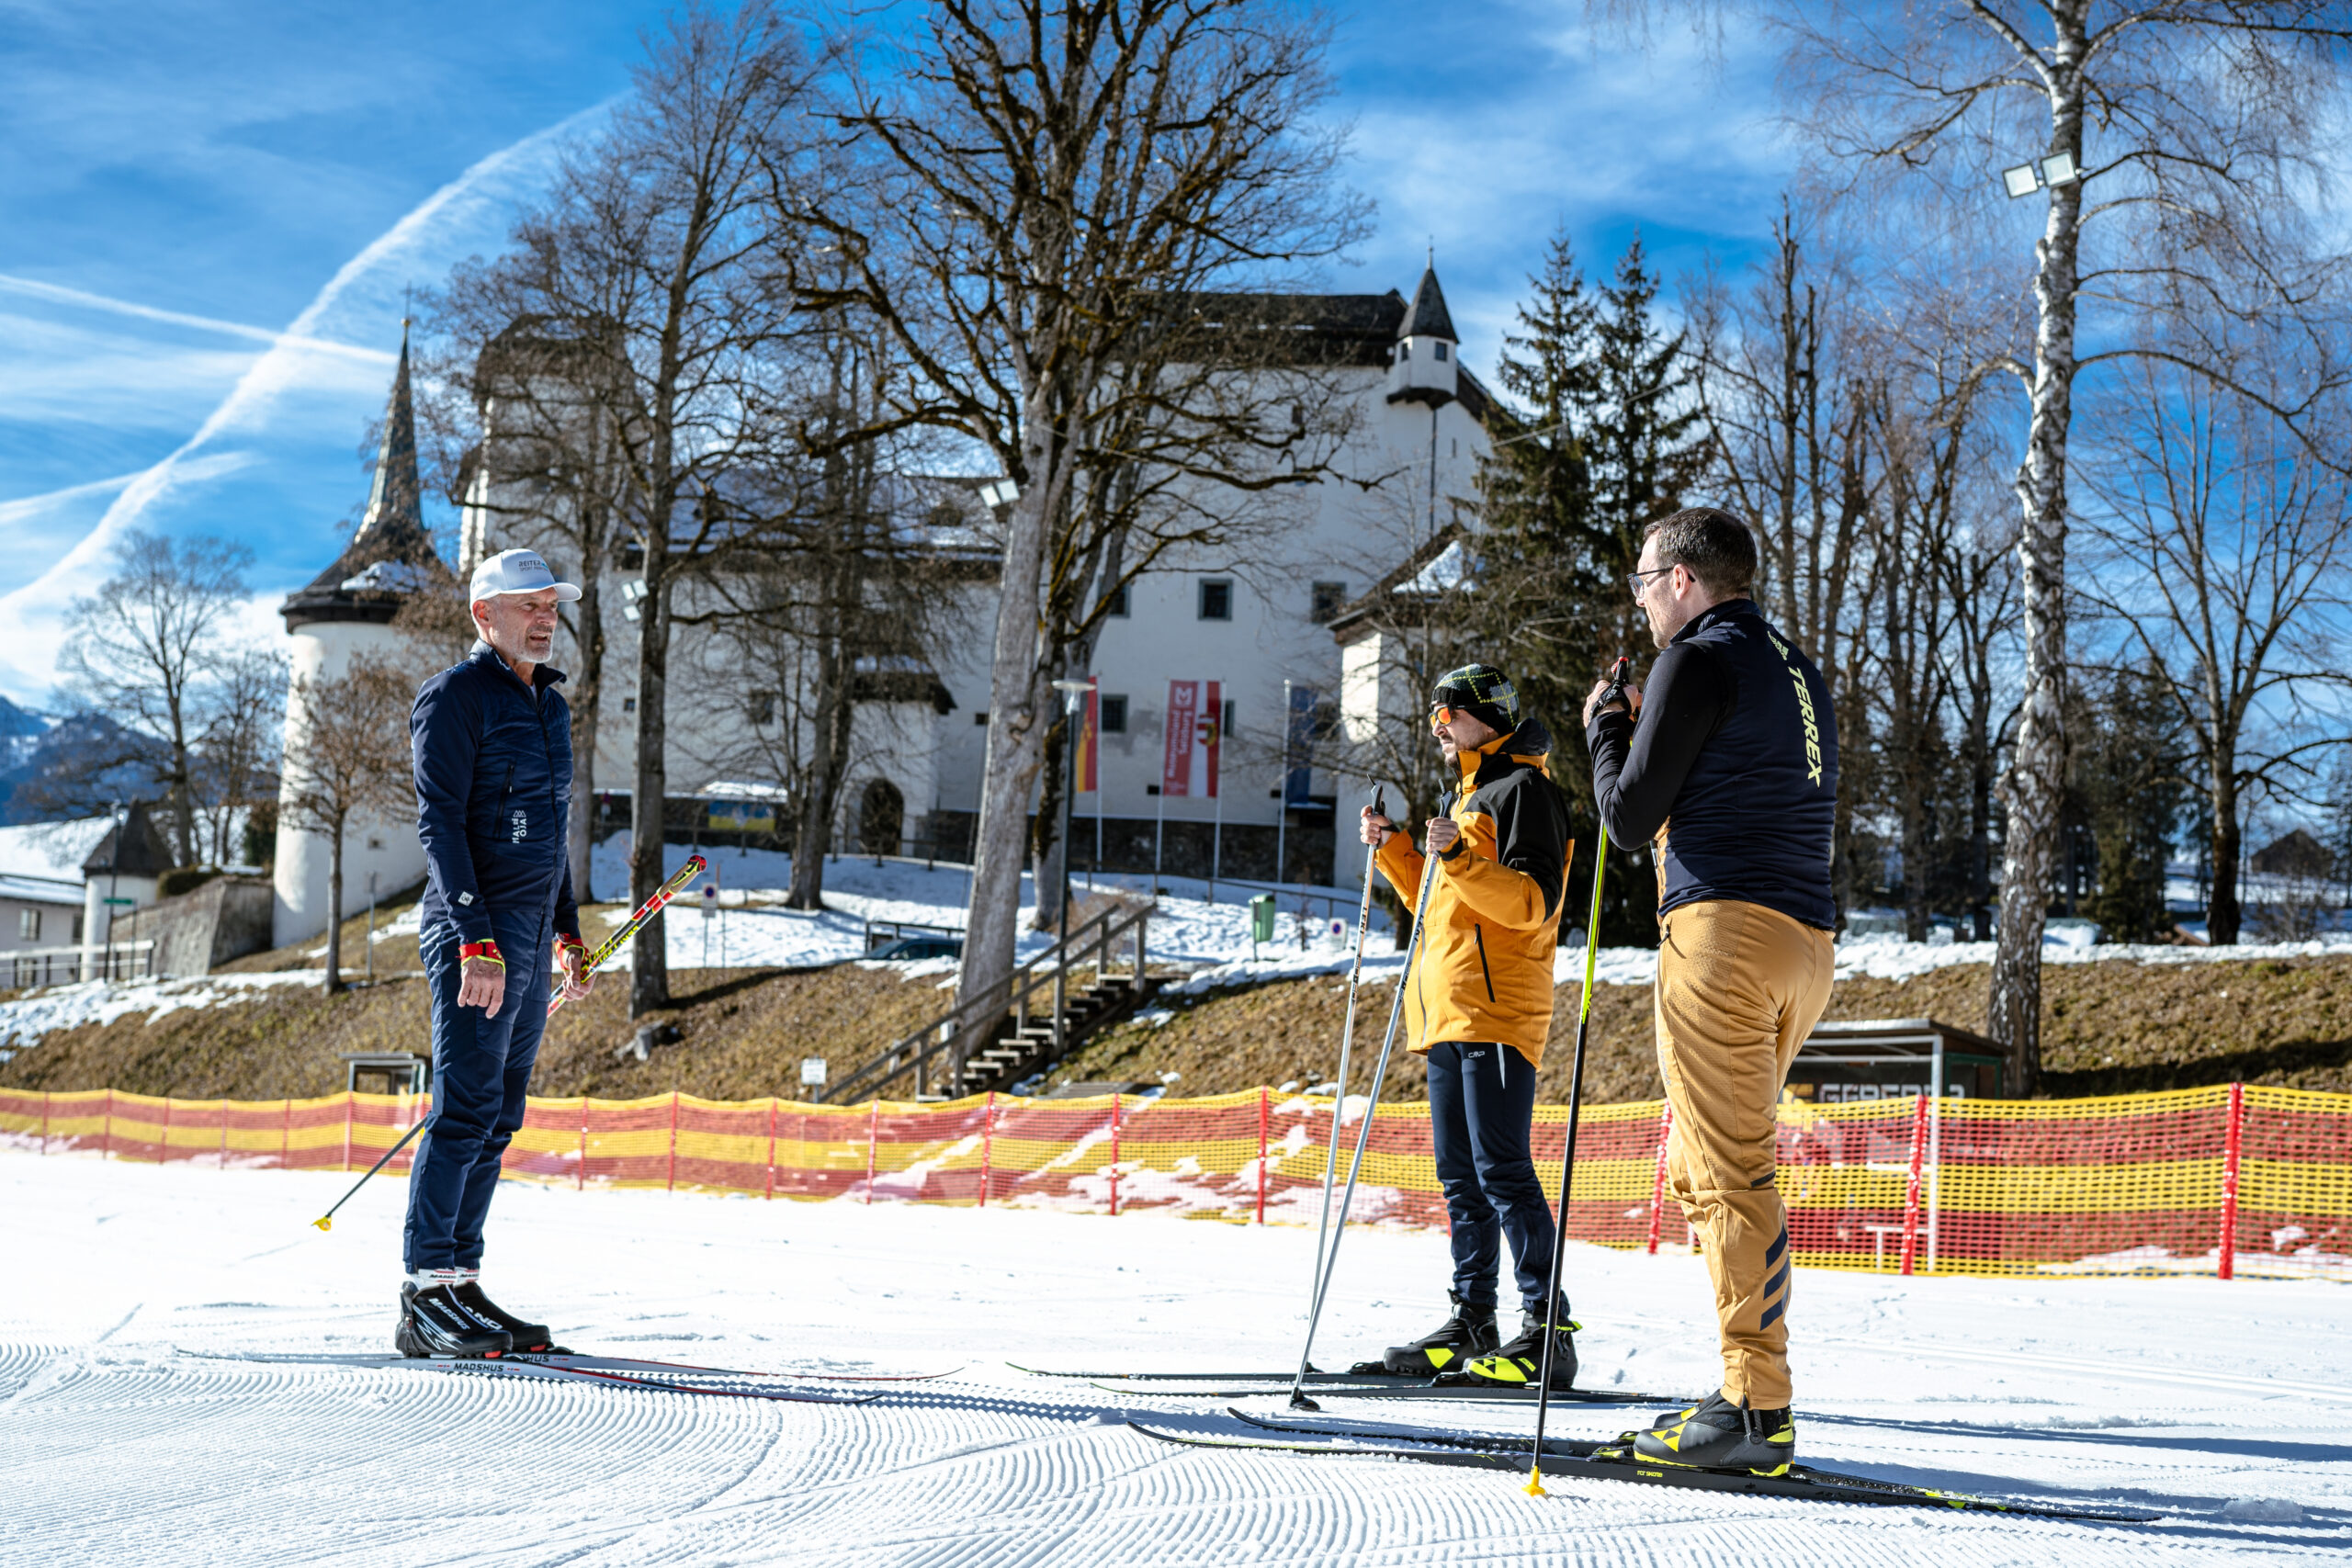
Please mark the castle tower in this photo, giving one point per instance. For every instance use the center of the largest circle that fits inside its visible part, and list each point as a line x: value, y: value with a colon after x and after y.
x: 1423, y: 366
x: 346, y: 609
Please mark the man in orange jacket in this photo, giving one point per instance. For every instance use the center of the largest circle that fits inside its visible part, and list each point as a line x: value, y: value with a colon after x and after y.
x: 1478, y: 1007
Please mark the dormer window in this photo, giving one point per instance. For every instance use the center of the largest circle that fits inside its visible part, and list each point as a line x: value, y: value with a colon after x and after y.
x: 1441, y: 350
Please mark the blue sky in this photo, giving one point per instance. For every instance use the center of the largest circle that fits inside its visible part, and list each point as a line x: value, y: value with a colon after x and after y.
x: 211, y: 211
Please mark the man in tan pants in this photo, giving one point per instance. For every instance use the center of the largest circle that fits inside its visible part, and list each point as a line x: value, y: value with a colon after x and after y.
x: 1729, y: 765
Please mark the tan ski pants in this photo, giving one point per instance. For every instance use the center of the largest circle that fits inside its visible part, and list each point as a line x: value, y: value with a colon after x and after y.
x: 1739, y: 987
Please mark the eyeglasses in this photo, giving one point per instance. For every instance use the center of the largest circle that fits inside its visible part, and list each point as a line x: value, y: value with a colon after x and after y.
x: 1441, y: 715
x: 1640, y: 580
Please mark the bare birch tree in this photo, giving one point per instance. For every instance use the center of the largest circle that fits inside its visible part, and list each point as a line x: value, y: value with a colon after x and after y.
x: 2178, y: 141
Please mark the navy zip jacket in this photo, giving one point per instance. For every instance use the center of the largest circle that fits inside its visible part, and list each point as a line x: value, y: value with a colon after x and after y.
x: 1733, y: 768
x: 493, y: 797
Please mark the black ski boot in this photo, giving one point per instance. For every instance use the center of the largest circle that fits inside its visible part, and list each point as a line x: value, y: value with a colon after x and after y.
x: 531, y: 1336
x: 1469, y: 1332
x: 1719, y: 1435
x: 1520, y: 1363
x: 434, y: 1323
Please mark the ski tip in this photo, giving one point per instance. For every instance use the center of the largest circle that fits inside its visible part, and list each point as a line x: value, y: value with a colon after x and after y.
x: 324, y: 1222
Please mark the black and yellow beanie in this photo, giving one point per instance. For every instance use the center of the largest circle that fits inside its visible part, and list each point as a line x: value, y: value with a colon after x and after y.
x: 1482, y: 690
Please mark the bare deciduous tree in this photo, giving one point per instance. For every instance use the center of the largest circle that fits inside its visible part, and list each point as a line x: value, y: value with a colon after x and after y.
x: 236, y: 765
x: 2228, y: 544
x: 657, y: 259
x: 1046, y: 176
x: 143, y: 646
x: 2181, y: 137
x: 347, y: 757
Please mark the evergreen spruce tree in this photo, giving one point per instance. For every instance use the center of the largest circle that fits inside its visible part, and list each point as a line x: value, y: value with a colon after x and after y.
x: 2134, y: 787
x: 1603, y: 441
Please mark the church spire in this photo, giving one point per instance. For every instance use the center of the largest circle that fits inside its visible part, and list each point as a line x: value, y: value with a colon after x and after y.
x: 395, y: 505
x: 391, y: 554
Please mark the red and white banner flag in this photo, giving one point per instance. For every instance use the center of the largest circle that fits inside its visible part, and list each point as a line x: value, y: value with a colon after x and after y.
x: 1189, y: 764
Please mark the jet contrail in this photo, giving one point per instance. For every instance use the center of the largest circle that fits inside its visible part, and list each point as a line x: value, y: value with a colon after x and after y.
x: 273, y: 371
x: 60, y: 295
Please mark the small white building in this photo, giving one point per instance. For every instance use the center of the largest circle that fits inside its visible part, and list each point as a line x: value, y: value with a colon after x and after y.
x: 119, y: 876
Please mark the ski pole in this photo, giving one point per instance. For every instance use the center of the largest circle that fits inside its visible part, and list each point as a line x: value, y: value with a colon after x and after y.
x: 1347, y: 1040
x: 1298, y: 1400
x: 1575, y: 1104
x: 694, y: 867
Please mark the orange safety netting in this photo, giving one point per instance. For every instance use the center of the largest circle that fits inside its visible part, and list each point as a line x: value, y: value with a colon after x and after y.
x: 2231, y: 1180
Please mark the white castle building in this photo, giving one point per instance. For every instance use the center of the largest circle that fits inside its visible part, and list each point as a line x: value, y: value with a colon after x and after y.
x: 1256, y: 618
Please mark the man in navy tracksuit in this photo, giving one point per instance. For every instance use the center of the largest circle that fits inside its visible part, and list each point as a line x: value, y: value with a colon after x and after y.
x: 493, y: 741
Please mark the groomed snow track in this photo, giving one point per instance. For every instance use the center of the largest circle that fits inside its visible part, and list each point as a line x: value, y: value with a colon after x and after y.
x: 115, y: 1448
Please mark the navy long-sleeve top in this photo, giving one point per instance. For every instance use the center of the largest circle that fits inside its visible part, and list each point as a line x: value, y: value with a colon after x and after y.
x: 1732, y: 769
x: 493, y: 797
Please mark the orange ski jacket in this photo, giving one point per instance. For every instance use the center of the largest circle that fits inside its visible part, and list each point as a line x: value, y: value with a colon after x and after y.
x: 1484, y: 968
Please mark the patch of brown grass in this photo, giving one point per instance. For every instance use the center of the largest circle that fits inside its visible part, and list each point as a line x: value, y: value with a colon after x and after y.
x: 744, y: 1031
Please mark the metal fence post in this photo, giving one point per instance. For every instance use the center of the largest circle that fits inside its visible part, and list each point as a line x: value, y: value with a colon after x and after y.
x: 1263, y: 1107
x: 873, y: 1136
x: 1911, y: 1189
x: 2233, y: 1143
x: 987, y: 1146
x: 1658, y: 1179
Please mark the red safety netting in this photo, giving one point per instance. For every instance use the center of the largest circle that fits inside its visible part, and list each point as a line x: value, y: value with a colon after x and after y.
x: 2227, y: 1180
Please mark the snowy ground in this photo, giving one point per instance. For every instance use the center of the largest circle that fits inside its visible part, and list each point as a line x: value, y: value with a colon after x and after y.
x: 2224, y: 1407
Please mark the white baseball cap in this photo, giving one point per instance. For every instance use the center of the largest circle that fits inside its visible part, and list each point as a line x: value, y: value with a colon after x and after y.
x: 518, y: 572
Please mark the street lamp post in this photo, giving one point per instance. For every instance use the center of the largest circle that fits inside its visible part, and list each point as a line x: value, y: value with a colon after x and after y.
x: 114, y: 863
x: 1073, y: 695
x: 1282, y: 793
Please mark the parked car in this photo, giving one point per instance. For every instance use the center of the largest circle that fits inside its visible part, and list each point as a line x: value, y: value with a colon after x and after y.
x: 913, y: 947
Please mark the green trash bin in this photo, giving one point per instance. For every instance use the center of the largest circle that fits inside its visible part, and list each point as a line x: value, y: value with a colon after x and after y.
x: 1261, y: 922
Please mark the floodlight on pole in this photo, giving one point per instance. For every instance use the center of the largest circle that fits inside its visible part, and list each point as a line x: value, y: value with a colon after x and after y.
x: 2058, y: 169
x: 1000, y: 492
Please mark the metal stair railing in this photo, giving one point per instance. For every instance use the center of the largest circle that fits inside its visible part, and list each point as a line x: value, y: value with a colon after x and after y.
x: 1094, y: 942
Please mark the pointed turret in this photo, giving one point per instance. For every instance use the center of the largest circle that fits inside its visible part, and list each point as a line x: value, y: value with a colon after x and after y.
x: 1422, y: 370
x: 391, y: 554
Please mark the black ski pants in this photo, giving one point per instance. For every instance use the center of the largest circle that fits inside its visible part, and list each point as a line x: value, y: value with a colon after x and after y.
x: 481, y: 1074
x: 1482, y: 1099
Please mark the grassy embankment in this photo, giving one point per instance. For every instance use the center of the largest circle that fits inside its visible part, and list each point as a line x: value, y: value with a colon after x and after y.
x: 2108, y: 1028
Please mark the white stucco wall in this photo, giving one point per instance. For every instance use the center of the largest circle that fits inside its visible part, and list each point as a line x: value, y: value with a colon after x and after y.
x: 323, y: 651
